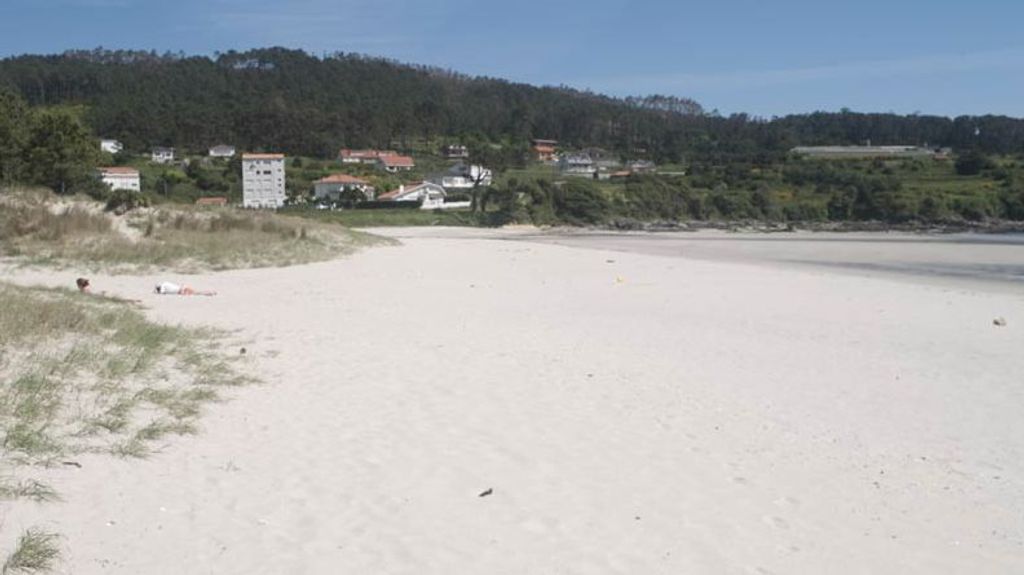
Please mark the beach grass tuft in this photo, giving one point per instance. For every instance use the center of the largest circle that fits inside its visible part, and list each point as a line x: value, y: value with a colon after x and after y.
x: 28, y: 489
x: 35, y: 552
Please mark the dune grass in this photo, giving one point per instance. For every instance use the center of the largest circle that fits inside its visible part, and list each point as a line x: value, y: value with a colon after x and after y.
x: 37, y: 228
x: 36, y: 552
x: 81, y: 373
x: 29, y: 489
x: 88, y: 374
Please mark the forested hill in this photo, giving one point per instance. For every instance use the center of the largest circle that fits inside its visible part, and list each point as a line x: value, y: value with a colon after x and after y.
x: 279, y: 99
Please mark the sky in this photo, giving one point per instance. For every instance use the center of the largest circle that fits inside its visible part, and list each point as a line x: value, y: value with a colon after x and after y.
x: 765, y: 58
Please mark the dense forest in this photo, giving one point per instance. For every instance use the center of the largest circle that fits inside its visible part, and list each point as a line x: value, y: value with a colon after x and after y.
x: 301, y: 104
x: 53, y: 108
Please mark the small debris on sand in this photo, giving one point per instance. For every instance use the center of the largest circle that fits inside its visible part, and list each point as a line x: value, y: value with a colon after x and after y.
x: 486, y: 493
x: 1001, y: 322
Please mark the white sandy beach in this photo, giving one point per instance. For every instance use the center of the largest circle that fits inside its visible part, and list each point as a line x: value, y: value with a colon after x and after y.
x: 632, y: 413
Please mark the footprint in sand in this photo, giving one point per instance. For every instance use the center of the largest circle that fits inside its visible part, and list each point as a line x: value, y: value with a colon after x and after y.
x: 787, y: 502
x: 776, y: 522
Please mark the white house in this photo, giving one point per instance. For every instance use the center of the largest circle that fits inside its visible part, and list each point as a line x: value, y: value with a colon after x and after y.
x: 430, y: 195
x: 463, y: 176
x: 120, y: 178
x: 263, y: 180
x: 161, y: 155
x: 394, y: 163
x: 111, y: 146
x: 455, y: 151
x: 333, y: 185
x: 222, y: 151
x: 363, y: 156
x: 577, y: 165
x: 641, y: 166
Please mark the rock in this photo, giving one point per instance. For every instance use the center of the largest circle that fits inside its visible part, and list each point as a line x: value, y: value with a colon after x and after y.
x: 1001, y: 322
x: 486, y: 493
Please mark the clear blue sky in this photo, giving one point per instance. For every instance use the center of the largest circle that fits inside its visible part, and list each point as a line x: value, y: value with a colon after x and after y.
x: 764, y: 57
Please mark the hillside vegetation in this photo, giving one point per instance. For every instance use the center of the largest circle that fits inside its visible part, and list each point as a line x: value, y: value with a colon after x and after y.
x: 287, y: 100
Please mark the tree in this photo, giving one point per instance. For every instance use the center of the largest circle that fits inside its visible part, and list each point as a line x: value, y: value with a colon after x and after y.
x: 14, y: 118
x: 972, y: 163
x: 60, y: 152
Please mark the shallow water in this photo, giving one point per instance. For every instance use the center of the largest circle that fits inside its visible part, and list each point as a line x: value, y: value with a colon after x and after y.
x: 994, y: 259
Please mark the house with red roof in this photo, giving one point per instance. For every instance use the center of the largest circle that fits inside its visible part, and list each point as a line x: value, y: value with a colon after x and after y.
x: 333, y: 186
x: 120, y: 178
x: 395, y: 163
x: 212, y: 201
x: 430, y: 195
x: 348, y: 156
x: 544, y: 150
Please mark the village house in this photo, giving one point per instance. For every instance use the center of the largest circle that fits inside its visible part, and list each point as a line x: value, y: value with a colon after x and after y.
x: 544, y: 150
x: 363, y: 156
x: 577, y: 165
x: 464, y: 176
x: 120, y: 178
x: 212, y: 201
x: 222, y: 151
x: 641, y: 166
x: 334, y: 185
x: 430, y: 195
x: 395, y: 163
x: 160, y: 155
x: 111, y: 146
x: 455, y: 151
x: 263, y: 180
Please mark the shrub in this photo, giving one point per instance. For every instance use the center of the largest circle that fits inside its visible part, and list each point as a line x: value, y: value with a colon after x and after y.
x: 580, y: 202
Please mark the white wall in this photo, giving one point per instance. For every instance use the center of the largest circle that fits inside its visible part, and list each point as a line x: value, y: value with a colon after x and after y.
x: 263, y: 183
x: 122, y: 181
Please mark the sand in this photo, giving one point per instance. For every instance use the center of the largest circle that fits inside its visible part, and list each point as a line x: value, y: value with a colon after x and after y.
x: 628, y: 413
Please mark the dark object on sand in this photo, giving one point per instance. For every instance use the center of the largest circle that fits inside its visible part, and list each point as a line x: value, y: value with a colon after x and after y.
x: 1001, y: 322
x: 241, y: 351
x: 486, y: 493
x: 83, y: 284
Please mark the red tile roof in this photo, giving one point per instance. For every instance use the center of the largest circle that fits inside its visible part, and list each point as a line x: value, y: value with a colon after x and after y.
x: 341, y: 179
x: 212, y: 201
x: 119, y: 170
x: 397, y: 161
x: 404, y: 189
x: 366, y: 154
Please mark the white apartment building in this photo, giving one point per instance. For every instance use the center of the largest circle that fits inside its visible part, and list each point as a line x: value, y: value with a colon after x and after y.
x: 120, y: 178
x: 263, y: 180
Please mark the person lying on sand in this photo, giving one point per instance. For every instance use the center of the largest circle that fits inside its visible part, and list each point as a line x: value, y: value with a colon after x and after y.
x: 85, y: 287
x: 168, y: 288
